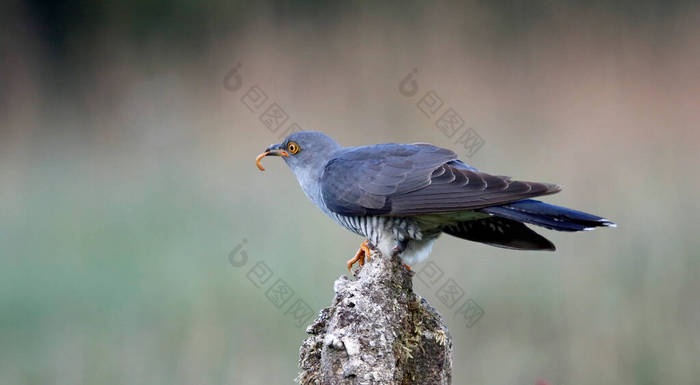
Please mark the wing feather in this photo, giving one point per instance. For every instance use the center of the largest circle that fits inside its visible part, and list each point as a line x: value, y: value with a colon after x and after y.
x: 402, y: 179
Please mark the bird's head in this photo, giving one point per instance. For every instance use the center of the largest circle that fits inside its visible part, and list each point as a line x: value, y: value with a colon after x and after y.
x: 302, y: 151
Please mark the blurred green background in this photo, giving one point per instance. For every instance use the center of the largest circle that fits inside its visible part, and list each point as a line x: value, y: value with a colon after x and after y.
x: 127, y: 177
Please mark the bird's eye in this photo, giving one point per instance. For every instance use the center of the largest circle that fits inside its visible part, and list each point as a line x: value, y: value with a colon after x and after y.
x: 292, y: 147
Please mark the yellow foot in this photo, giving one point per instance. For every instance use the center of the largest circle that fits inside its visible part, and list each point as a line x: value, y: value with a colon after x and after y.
x: 363, y: 253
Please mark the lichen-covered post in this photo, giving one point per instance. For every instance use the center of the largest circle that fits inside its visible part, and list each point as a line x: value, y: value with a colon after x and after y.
x: 377, y: 331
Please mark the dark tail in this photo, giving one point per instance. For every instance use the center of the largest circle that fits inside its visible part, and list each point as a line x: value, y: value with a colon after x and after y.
x: 500, y: 232
x: 549, y: 216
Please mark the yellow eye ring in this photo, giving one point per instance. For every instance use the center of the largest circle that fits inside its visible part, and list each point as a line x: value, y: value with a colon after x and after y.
x: 292, y: 147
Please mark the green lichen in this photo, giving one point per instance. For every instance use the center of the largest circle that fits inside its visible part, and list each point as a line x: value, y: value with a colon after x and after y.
x: 408, y: 345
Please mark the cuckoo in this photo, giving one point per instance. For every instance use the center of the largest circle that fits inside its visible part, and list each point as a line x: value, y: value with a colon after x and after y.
x: 401, y: 197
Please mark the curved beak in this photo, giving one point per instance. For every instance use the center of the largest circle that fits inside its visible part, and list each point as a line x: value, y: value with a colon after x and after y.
x: 274, y: 150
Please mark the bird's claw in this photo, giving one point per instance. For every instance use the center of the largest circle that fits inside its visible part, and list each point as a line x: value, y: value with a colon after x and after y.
x: 362, y: 253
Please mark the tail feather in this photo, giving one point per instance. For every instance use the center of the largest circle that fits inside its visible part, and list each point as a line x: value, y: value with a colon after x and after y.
x: 500, y: 232
x: 548, y: 216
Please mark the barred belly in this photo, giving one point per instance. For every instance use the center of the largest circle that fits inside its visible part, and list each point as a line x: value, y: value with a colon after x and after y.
x: 385, y: 233
x: 374, y: 228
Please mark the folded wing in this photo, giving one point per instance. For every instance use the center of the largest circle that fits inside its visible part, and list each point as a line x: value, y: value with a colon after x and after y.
x: 404, y: 179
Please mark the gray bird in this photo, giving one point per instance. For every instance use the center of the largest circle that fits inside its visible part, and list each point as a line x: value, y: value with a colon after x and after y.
x: 401, y: 197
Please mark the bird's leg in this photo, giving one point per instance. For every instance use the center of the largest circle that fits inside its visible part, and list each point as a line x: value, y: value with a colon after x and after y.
x: 400, y: 248
x: 362, y: 253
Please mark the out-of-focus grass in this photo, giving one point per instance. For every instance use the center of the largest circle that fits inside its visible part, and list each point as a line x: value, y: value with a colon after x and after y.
x: 134, y: 287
